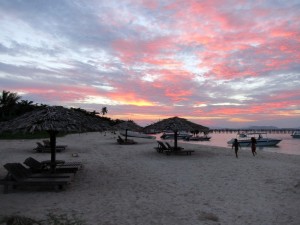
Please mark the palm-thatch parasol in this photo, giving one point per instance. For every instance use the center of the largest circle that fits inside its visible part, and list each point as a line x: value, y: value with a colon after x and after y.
x: 53, y: 119
x: 176, y: 124
x: 128, y: 125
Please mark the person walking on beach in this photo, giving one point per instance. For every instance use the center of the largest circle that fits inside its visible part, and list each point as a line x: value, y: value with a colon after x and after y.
x: 236, y: 146
x: 253, y: 146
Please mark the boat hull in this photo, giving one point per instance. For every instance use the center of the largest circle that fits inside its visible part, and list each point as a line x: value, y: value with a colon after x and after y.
x: 136, y: 135
x: 259, y: 143
x: 296, y: 134
x: 198, y: 139
x: 171, y: 136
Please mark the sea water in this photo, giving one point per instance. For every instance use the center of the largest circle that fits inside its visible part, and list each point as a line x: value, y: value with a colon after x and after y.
x: 288, y: 145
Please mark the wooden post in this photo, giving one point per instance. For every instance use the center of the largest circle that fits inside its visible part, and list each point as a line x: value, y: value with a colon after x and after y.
x: 53, y: 149
x: 175, y: 139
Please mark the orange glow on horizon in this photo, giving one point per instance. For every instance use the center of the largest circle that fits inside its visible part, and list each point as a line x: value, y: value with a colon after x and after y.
x: 241, y: 120
x: 130, y: 99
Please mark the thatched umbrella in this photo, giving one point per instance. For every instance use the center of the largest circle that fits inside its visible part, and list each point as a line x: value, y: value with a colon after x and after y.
x: 176, y: 124
x: 128, y: 125
x: 53, y: 119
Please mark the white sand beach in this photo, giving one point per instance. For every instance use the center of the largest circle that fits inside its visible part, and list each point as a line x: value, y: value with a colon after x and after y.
x: 135, y: 185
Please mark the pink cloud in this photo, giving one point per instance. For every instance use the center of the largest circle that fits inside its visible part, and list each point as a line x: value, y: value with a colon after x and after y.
x: 60, y: 93
x: 132, y: 51
x: 161, y: 46
x: 130, y: 98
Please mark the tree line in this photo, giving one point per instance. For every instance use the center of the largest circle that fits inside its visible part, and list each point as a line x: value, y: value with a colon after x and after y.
x: 12, y: 105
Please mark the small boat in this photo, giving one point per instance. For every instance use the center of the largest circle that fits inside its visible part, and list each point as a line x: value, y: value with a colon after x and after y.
x: 296, y: 134
x: 198, y: 138
x: 180, y: 135
x: 242, y: 135
x: 261, y: 139
x: 136, y: 134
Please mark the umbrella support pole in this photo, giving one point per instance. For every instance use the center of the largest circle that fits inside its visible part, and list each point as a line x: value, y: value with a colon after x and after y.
x: 175, y: 139
x: 53, y: 149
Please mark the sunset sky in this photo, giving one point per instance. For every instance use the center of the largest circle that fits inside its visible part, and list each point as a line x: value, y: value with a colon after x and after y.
x: 220, y: 63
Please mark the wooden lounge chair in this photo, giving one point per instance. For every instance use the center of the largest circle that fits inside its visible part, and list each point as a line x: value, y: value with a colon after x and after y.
x: 173, y: 148
x: 125, y: 142
x: 168, y: 149
x: 47, y: 144
x: 17, y: 169
x: 18, y: 175
x: 37, y: 166
x: 180, y: 152
x: 161, y: 147
x: 42, y: 148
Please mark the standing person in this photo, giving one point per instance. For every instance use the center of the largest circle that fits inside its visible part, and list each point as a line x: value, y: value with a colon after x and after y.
x: 236, y: 146
x: 253, y: 146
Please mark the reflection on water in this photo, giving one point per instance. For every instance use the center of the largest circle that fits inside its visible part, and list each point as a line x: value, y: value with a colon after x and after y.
x: 288, y: 145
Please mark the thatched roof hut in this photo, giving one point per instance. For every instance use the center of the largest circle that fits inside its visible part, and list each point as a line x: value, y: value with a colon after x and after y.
x: 128, y: 125
x: 54, y: 119
x: 176, y: 124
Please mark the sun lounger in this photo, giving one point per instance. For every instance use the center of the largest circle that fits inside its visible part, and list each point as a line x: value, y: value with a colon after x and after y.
x: 168, y: 149
x: 42, y: 148
x: 37, y: 166
x: 179, y: 152
x: 125, y: 142
x: 18, y: 175
x: 47, y: 144
x: 17, y: 170
x: 161, y: 147
x: 173, y: 148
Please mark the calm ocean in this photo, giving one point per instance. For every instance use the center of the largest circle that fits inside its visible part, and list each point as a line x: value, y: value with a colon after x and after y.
x: 288, y: 145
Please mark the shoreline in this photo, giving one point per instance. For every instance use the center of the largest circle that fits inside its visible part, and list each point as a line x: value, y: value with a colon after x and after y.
x: 133, y: 184
x: 288, y: 145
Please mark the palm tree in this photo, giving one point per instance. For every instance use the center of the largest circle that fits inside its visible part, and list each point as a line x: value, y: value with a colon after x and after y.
x: 104, y: 110
x: 8, y: 101
x: 26, y: 102
x: 7, y: 98
x: 24, y: 106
